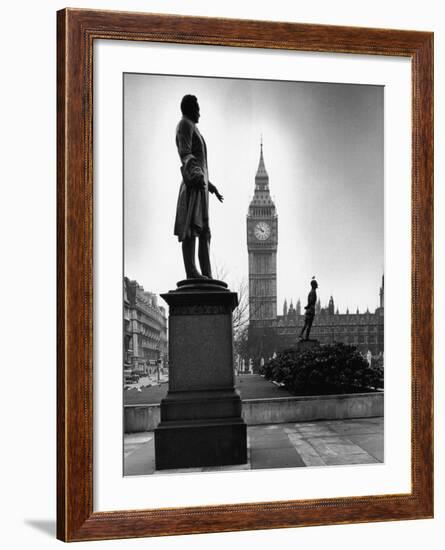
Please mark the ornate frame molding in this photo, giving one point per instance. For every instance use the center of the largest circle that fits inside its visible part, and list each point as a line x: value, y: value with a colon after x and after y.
x: 76, y: 32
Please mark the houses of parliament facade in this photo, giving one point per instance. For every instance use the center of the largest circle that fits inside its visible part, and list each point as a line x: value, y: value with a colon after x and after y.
x: 269, y: 332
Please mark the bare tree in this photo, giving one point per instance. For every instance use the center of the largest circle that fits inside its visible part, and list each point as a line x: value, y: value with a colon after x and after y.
x: 240, y: 316
x: 220, y: 271
x: 241, y: 313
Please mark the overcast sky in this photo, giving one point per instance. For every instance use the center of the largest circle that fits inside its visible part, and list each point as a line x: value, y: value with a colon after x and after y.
x: 323, y: 150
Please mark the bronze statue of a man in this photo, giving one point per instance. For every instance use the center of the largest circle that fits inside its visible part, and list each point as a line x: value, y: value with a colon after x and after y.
x: 192, y: 211
x: 310, y: 310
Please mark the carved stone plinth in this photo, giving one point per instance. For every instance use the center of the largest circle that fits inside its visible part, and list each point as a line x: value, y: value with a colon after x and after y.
x: 201, y: 423
x: 303, y: 345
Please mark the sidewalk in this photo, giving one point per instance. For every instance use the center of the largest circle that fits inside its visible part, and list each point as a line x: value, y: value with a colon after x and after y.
x: 322, y: 443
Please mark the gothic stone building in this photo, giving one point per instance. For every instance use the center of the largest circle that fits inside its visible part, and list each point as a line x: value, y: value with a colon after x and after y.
x: 269, y: 332
x: 363, y: 330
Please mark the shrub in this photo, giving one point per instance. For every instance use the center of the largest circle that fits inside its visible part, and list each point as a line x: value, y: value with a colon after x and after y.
x: 326, y: 369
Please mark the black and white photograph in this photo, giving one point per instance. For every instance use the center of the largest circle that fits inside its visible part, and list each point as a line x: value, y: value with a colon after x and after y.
x: 254, y: 280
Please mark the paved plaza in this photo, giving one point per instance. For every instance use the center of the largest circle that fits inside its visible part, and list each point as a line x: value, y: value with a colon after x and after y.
x: 303, y: 444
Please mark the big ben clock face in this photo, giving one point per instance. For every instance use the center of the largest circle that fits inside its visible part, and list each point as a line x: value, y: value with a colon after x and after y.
x: 262, y: 231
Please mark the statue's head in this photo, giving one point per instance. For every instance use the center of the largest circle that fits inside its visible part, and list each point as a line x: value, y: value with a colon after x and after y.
x: 314, y: 283
x: 190, y: 107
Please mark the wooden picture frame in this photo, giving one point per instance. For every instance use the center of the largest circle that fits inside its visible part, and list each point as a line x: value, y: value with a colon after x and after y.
x: 76, y: 32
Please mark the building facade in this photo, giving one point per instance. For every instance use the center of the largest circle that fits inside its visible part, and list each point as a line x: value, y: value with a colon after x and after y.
x: 145, y: 330
x: 269, y: 332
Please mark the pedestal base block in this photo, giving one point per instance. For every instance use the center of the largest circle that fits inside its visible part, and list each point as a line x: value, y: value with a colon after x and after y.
x: 197, y: 443
x: 201, y: 405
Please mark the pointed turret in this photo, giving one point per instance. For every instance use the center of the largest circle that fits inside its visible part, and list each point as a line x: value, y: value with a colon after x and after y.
x: 262, y: 177
x: 285, y: 308
x: 382, y: 291
x: 262, y: 203
x: 298, y: 308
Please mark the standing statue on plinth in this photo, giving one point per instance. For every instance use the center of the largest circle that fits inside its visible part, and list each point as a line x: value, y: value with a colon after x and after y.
x: 310, y: 310
x: 192, y: 211
x: 201, y: 422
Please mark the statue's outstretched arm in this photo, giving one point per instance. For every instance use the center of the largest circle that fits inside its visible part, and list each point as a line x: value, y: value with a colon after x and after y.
x: 214, y: 190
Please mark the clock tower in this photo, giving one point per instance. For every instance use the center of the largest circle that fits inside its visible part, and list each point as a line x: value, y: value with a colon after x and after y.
x: 262, y: 243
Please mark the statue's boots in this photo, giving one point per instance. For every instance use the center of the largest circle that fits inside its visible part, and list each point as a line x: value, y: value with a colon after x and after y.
x: 188, y: 254
x: 204, y: 254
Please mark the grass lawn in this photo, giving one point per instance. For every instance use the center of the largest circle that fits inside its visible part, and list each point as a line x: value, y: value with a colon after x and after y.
x: 250, y: 386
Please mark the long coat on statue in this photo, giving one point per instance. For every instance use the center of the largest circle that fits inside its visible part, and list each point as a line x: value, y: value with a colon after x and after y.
x: 192, y: 210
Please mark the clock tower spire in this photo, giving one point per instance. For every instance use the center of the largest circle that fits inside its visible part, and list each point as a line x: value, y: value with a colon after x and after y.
x: 262, y: 244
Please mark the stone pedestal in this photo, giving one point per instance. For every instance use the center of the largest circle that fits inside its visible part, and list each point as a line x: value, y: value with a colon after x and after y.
x: 303, y: 345
x: 201, y: 423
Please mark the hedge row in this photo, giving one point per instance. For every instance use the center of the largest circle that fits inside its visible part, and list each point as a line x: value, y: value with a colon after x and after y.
x: 326, y: 369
